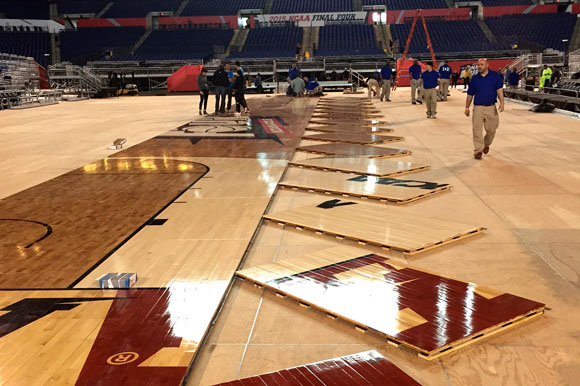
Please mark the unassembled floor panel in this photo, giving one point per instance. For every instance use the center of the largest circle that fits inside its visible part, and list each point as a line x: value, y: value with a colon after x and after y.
x: 389, y: 227
x: 354, y: 150
x: 429, y: 313
x: 344, y: 121
x: 366, y: 368
x: 354, y: 129
x: 361, y: 165
x: 399, y: 191
x: 361, y: 139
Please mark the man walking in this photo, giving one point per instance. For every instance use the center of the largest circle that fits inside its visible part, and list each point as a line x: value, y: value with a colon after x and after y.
x: 466, y: 76
x: 430, y: 78
x: 485, y: 88
x: 386, y: 75
x: 445, y: 72
x: 220, y: 81
x: 415, y: 74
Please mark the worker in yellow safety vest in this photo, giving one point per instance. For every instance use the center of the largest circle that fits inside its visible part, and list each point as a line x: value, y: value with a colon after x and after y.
x: 545, y: 79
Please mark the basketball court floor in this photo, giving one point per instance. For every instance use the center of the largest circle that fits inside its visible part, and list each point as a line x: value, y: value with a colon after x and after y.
x: 192, y: 200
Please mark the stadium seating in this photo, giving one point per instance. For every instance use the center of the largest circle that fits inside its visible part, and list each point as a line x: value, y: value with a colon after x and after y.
x: 498, y: 3
x: 131, y: 8
x: 545, y: 29
x: 305, y: 6
x: 271, y: 43
x: 213, y: 7
x: 450, y: 36
x: 182, y: 44
x: 407, y: 4
x: 347, y: 40
x: 24, y: 9
x: 87, y: 44
x: 33, y: 44
x: 80, y: 6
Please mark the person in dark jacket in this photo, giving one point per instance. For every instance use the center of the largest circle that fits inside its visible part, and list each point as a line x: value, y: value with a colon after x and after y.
x: 220, y: 81
x: 203, y: 90
x: 239, y: 90
x: 258, y: 84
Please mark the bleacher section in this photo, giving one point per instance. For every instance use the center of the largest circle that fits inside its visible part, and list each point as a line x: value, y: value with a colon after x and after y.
x: 305, y: 6
x: 546, y: 29
x: 450, y: 36
x: 24, y: 9
x: 132, y: 8
x: 80, y: 6
x: 407, y: 4
x: 347, y: 40
x: 33, y: 44
x: 271, y: 43
x: 182, y: 44
x: 226, y: 7
x: 87, y: 44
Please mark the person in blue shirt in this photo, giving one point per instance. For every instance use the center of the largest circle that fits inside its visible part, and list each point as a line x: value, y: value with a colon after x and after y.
x: 415, y: 75
x: 430, y: 79
x: 229, y: 88
x: 514, y: 79
x: 294, y: 71
x: 445, y: 72
x: 484, y: 90
x: 386, y: 75
x: 313, y: 87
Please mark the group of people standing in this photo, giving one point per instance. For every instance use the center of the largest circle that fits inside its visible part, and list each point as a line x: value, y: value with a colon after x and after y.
x: 484, y: 90
x: 228, y: 83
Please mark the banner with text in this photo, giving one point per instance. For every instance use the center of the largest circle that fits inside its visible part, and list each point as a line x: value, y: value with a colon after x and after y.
x: 314, y: 19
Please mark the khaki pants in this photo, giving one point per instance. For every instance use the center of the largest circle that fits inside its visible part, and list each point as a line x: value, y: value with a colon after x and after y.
x: 484, y: 117
x: 430, y: 100
x: 444, y: 88
x: 373, y: 85
x: 416, y: 88
x: 386, y: 94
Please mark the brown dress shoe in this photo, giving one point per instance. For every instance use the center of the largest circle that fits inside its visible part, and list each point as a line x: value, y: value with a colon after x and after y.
x: 477, y: 155
x: 486, y: 150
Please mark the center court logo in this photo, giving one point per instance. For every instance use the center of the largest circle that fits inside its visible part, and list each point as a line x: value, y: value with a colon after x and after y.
x: 122, y: 358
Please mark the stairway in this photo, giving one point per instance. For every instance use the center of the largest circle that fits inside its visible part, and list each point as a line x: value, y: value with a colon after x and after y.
x: 238, y: 41
x: 141, y: 40
x: 575, y: 39
x: 450, y: 3
x: 181, y: 7
x: 100, y: 14
x: 306, y: 41
x: 380, y: 37
x: 314, y: 39
x: 486, y: 30
x: 268, y: 6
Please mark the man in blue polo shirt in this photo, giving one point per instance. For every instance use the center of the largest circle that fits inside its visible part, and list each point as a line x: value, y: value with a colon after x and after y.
x: 484, y: 89
x: 386, y: 75
x: 294, y: 71
x: 514, y: 79
x: 415, y: 75
x: 445, y: 72
x: 430, y: 78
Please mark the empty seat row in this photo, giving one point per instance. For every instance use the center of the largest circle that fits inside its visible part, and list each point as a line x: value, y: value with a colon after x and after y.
x: 549, y: 30
x: 33, y: 44
x: 347, y: 40
x: 270, y: 43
